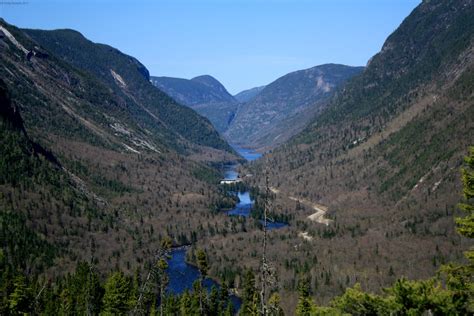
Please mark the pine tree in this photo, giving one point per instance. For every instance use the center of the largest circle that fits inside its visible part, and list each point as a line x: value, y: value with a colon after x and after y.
x: 305, y: 305
x: 117, y: 295
x: 223, y: 297
x: 213, y: 302
x: 202, y: 264
x: 20, y: 299
x: 250, y: 299
x: 185, y: 304
x: 460, y: 277
x: 158, y: 274
x: 274, y: 308
x: 466, y: 224
x: 163, y: 280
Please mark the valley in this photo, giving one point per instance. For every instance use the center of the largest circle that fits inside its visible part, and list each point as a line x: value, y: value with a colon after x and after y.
x: 332, y: 190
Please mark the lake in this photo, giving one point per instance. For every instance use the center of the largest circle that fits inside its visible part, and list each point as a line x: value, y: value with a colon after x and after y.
x: 182, y: 276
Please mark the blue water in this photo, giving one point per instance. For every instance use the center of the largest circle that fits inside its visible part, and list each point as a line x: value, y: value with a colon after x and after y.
x: 248, y: 154
x: 274, y: 225
x: 182, y: 275
x: 243, y: 207
x: 230, y: 172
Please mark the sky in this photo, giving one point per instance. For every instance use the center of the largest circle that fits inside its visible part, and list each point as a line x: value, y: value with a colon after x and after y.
x: 242, y: 43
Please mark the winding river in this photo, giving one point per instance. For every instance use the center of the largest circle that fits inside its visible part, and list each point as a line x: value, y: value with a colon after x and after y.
x: 181, y: 274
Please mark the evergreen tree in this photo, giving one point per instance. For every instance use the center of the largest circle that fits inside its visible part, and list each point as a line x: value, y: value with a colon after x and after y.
x: 117, y: 300
x: 305, y: 305
x: 163, y: 280
x: 274, y: 308
x: 466, y: 224
x: 85, y: 290
x: 202, y: 264
x: 171, y: 305
x: 213, y: 302
x: 20, y: 300
x: 250, y: 299
x: 224, y: 298
x: 185, y: 303
x: 196, y: 305
x: 460, y: 277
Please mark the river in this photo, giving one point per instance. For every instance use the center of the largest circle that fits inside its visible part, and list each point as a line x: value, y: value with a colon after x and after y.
x: 181, y: 274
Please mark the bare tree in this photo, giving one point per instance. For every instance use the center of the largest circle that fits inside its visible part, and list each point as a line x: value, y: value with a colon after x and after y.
x: 157, y: 272
x: 265, y: 269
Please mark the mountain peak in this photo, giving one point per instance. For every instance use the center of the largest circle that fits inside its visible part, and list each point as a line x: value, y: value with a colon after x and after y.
x: 210, y: 81
x: 205, y: 94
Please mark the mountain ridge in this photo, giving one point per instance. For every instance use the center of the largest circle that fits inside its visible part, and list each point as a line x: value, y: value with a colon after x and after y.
x: 129, y: 79
x: 94, y: 158
x: 286, y: 105
x: 245, y: 96
x: 205, y: 94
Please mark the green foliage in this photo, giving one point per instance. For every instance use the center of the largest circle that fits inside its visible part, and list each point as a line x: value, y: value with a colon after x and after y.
x: 118, y: 297
x: 357, y: 302
x: 466, y: 224
x: 96, y: 62
x: 201, y: 260
x: 206, y: 174
x: 250, y: 298
x: 274, y: 308
x: 305, y: 304
x: 407, y: 297
x: 20, y: 301
x: 22, y: 247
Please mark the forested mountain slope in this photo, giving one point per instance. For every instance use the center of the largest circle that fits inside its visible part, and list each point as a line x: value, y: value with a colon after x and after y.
x: 381, y: 163
x: 128, y: 79
x: 204, y: 94
x: 96, y: 163
x: 248, y: 95
x: 285, y: 106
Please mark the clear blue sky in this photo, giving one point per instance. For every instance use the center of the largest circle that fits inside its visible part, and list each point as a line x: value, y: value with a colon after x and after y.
x: 243, y: 43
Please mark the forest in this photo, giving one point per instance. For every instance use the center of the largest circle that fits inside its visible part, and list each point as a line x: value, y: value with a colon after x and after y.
x: 86, y: 292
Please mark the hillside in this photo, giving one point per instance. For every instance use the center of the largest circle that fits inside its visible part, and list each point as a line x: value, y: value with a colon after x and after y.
x: 128, y: 79
x: 380, y: 165
x: 204, y: 94
x: 96, y: 163
x: 248, y: 95
x: 285, y: 106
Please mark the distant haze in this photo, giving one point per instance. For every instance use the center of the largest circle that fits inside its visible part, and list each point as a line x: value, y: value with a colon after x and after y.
x: 242, y: 43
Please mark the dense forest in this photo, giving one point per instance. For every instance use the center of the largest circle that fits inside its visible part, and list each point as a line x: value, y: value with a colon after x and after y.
x: 103, y: 176
x: 83, y: 292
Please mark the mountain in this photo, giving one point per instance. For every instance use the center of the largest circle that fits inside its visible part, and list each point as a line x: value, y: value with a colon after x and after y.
x: 286, y: 105
x: 204, y: 94
x: 248, y: 95
x: 95, y: 162
x: 129, y: 79
x: 380, y: 165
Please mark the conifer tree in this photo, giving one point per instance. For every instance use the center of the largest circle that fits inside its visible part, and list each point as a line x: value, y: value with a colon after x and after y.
x: 305, y: 305
x: 460, y: 278
x: 185, y: 303
x: 274, y: 308
x: 466, y: 224
x: 250, y: 299
x: 202, y: 264
x: 21, y: 298
x: 117, y: 295
x: 213, y: 302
